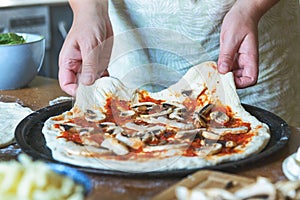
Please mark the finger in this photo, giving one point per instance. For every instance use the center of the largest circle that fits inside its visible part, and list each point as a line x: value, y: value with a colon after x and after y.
x: 247, y: 73
x: 69, y: 66
x: 90, y: 62
x: 67, y: 80
x: 228, y: 48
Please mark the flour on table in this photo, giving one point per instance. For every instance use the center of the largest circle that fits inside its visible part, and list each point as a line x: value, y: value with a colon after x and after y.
x: 11, y: 114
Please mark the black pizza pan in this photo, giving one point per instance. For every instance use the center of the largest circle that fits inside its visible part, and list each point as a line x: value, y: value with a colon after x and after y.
x: 31, y: 140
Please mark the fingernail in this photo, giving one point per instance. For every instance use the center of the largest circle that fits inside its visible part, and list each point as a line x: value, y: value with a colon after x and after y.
x: 223, y: 67
x: 87, y: 79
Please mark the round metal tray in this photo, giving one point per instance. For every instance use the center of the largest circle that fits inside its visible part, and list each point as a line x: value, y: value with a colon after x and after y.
x: 30, y: 138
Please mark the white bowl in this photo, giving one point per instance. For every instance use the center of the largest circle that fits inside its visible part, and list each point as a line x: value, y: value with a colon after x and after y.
x: 20, y: 63
x: 291, y: 168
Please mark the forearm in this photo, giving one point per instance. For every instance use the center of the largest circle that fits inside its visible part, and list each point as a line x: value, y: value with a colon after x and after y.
x: 91, y: 17
x: 262, y: 6
x: 79, y: 6
x: 255, y: 9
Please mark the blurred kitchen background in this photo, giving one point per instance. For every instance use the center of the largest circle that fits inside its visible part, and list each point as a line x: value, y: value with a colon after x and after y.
x: 51, y: 18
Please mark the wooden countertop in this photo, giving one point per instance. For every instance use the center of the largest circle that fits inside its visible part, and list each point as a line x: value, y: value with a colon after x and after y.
x: 36, y: 95
x: 41, y: 90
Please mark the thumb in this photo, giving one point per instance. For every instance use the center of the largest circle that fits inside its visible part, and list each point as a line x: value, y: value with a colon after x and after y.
x: 228, y: 51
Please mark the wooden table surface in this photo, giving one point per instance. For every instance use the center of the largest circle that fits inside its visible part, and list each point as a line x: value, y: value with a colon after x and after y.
x: 41, y: 90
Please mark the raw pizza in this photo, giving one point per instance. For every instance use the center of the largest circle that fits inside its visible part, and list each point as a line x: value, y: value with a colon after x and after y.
x: 194, y: 123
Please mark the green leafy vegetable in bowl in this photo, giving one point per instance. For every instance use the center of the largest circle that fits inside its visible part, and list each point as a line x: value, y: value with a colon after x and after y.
x: 11, y: 38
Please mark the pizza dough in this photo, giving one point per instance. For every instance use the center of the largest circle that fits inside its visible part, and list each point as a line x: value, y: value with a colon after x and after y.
x: 116, y: 149
x: 10, y: 116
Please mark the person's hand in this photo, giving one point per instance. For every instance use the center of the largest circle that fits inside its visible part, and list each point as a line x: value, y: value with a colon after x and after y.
x: 239, y: 41
x: 86, y: 51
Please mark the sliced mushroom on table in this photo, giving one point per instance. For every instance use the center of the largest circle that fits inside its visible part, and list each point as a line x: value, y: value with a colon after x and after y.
x: 289, y: 189
x: 262, y: 187
x: 205, y: 194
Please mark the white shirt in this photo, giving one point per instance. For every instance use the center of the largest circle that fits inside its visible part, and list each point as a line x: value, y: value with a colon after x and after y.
x: 157, y: 41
